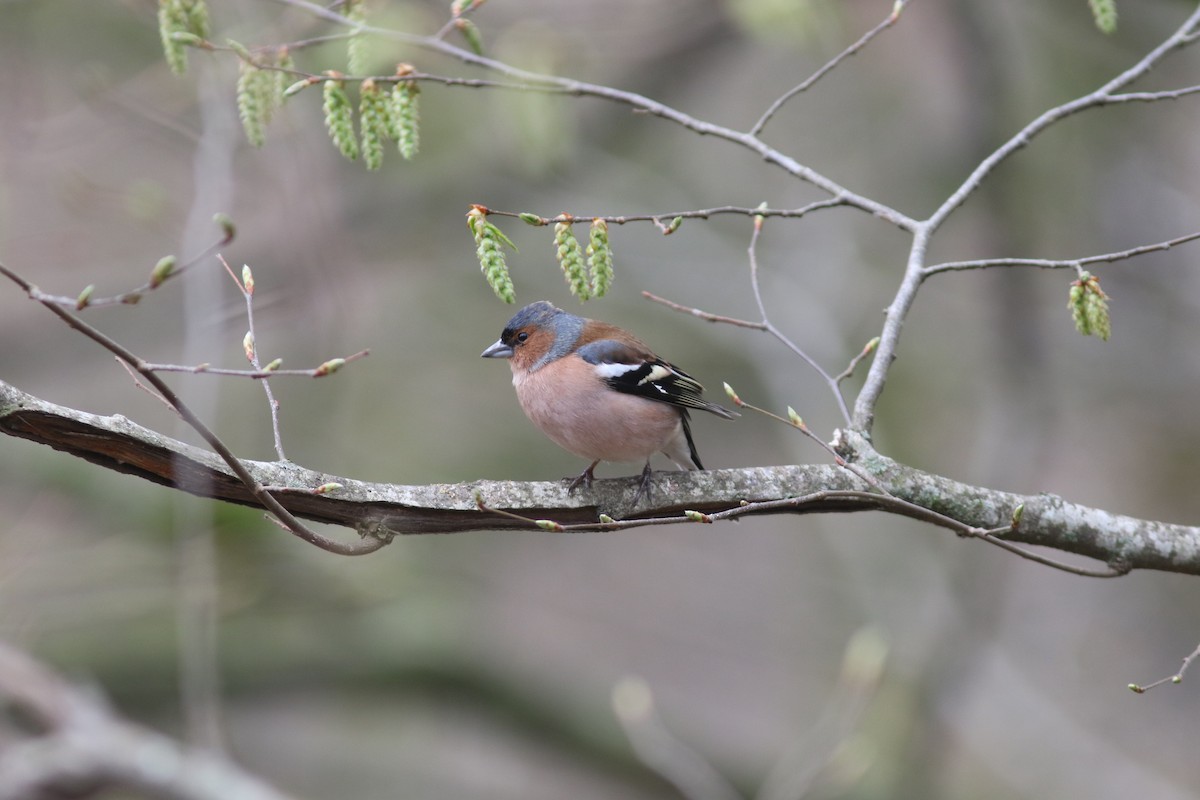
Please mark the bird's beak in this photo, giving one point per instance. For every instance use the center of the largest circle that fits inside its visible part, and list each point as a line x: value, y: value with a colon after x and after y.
x: 497, y: 350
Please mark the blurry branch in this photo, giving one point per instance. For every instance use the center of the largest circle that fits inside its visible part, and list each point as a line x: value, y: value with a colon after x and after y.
x: 168, y: 396
x: 380, y: 511
x: 66, y: 742
x: 1176, y: 678
x: 832, y: 756
x: 661, y: 750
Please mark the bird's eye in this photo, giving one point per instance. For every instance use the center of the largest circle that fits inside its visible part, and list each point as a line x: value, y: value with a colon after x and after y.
x: 522, y: 336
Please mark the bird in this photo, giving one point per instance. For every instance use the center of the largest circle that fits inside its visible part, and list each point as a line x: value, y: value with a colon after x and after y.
x: 599, y: 392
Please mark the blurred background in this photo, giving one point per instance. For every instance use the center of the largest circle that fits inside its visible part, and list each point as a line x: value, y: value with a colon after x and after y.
x: 484, y: 665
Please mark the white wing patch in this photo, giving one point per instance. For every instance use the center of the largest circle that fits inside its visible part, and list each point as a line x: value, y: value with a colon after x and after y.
x: 657, y: 373
x: 615, y: 370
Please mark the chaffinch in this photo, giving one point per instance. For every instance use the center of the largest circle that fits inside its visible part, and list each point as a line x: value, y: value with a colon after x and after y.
x: 599, y: 392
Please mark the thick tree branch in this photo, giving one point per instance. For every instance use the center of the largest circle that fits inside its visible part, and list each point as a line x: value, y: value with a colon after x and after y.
x: 1124, y: 543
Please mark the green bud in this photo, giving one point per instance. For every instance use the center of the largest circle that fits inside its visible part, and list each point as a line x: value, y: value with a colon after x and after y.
x: 737, y: 401
x: 531, y: 219
x: 239, y: 48
x: 85, y: 297
x: 162, y: 270
x: 225, y: 223
x: 1017, y: 513
x: 696, y: 516
x: 549, y: 525
x: 470, y: 33
x: 329, y: 367
x: 298, y: 87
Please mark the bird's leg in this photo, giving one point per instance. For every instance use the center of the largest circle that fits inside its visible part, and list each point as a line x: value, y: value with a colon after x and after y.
x: 584, y: 477
x: 644, y: 486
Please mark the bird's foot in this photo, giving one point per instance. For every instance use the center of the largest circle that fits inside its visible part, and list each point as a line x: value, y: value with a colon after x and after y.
x: 586, y: 477
x: 645, y: 486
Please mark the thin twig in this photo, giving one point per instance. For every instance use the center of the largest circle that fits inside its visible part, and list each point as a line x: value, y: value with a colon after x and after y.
x: 133, y: 376
x: 134, y: 295
x: 1176, y: 678
x: 752, y: 254
x: 246, y: 287
x: 884, y: 502
x: 702, y: 213
x: 254, y: 374
x: 1043, y: 263
x: 798, y: 423
x: 287, y: 520
x: 1153, y: 97
x: 862, y: 42
x: 704, y: 315
x: 854, y: 362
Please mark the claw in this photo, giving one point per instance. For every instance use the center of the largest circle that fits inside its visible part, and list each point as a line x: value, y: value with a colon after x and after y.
x: 586, y: 477
x: 645, y: 486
